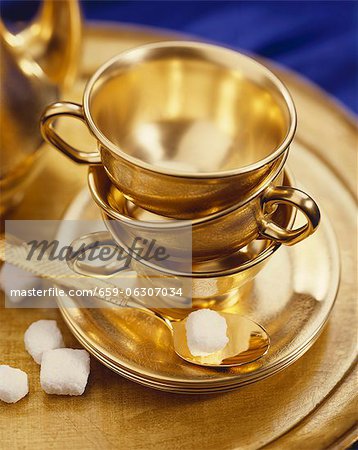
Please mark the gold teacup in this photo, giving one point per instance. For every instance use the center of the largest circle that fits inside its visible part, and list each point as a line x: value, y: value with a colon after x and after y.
x: 215, y: 284
x: 216, y: 235
x: 184, y: 129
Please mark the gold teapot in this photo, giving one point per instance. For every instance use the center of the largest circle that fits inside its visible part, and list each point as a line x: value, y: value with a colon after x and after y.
x: 36, y: 63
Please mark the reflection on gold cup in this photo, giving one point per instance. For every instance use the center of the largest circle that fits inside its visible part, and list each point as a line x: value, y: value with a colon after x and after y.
x: 211, y: 283
x: 215, y: 284
x: 184, y: 129
x: 209, y: 237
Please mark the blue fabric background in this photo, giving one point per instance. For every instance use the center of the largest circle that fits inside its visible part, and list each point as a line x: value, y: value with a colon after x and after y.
x: 316, y: 38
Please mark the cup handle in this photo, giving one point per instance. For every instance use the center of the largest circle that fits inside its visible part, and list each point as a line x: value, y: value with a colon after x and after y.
x: 54, y: 112
x: 86, y: 243
x: 297, y: 199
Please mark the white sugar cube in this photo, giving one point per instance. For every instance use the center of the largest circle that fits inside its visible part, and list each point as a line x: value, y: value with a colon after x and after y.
x: 64, y: 371
x: 13, y: 384
x: 41, y: 336
x: 205, y: 332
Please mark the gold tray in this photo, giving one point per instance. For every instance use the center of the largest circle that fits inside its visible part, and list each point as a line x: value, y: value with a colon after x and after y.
x: 310, y: 405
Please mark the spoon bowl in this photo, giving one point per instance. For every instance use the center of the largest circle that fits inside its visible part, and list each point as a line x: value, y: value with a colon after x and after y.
x: 248, y: 341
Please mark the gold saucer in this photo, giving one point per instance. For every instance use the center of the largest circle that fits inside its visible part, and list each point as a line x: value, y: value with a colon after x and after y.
x: 291, y: 298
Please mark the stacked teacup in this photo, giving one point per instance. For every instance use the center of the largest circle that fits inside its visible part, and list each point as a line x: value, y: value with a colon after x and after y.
x: 192, y: 144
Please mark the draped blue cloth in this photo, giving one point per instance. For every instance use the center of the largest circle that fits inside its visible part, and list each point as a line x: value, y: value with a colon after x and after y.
x: 316, y: 38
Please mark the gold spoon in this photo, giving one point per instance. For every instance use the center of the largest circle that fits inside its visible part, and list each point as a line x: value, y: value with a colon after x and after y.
x: 248, y: 341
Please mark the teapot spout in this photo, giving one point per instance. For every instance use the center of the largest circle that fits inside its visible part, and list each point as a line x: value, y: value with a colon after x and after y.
x: 52, y: 40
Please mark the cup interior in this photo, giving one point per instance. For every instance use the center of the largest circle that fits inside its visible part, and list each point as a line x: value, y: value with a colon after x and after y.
x: 194, y: 108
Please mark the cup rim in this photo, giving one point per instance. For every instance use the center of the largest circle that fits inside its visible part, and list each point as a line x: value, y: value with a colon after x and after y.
x: 128, y: 56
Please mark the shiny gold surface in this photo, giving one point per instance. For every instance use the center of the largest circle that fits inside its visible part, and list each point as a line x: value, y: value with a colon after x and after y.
x: 215, y: 284
x: 233, y: 228
x: 247, y: 341
x: 34, y: 64
x: 212, y: 283
x: 312, y: 404
x: 291, y: 298
x: 24, y: 88
x: 206, y: 124
x: 52, y: 40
